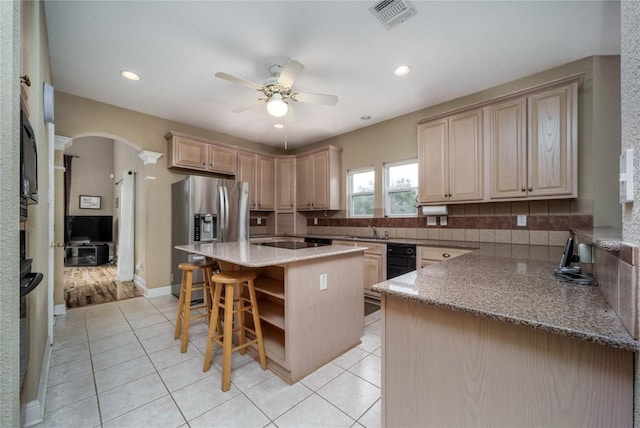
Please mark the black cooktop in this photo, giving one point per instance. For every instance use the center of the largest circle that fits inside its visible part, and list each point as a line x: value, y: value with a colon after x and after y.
x: 292, y: 245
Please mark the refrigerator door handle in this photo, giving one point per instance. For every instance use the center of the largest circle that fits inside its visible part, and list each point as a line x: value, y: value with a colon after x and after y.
x: 226, y: 214
x: 223, y: 220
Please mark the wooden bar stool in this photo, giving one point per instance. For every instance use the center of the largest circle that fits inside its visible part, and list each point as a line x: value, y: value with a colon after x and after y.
x: 184, y: 302
x: 234, y: 303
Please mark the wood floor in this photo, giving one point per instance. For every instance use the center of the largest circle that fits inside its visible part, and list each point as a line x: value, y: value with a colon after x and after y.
x: 95, y: 284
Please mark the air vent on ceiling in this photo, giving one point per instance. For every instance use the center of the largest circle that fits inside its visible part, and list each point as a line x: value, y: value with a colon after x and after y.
x: 393, y: 12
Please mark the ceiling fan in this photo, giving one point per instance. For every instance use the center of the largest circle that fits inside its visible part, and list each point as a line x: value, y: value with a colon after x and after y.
x: 278, y: 89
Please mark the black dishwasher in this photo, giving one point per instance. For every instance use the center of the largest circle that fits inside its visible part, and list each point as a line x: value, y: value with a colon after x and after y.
x: 401, y: 259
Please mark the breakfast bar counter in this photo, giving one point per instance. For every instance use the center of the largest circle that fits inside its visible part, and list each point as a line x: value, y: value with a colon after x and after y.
x: 492, y: 338
x: 310, y: 301
x: 256, y: 255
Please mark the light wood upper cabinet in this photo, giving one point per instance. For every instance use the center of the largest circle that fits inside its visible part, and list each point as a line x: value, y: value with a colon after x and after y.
x: 265, y: 182
x: 508, y: 149
x: 190, y: 153
x: 258, y: 171
x: 285, y: 183
x: 318, y: 180
x: 450, y: 158
x: 519, y: 146
x: 552, y: 149
x: 533, y: 145
x: 304, y: 178
x: 222, y: 159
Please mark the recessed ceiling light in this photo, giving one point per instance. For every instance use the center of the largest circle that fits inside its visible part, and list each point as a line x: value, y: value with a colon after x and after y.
x: 365, y: 117
x: 402, y: 70
x: 129, y: 75
x: 278, y: 125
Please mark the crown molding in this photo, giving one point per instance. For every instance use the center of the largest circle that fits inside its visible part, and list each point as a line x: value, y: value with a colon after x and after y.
x: 62, y: 143
x: 149, y: 157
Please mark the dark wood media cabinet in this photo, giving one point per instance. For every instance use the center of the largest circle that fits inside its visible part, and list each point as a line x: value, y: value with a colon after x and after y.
x: 86, y: 254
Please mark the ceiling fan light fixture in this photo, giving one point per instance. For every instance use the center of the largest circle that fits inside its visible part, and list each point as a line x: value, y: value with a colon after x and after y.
x: 276, y: 107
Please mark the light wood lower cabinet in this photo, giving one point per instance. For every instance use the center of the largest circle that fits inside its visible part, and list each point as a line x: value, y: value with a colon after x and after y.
x: 431, y: 255
x: 460, y: 369
x: 304, y: 327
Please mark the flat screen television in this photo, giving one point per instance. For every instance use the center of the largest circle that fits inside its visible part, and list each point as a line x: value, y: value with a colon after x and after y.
x: 89, y: 228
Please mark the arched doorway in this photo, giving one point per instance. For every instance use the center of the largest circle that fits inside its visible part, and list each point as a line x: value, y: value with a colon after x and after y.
x: 87, y: 219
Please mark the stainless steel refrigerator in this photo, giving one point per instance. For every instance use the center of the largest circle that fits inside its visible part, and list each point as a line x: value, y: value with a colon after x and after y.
x: 205, y: 209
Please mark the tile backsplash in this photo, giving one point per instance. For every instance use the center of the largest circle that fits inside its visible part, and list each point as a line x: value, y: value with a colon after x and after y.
x: 548, y: 223
x: 617, y: 274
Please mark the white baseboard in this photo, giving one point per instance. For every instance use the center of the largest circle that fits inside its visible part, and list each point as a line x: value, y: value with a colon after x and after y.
x: 59, y: 310
x: 34, y: 410
x: 138, y: 280
x: 151, y: 292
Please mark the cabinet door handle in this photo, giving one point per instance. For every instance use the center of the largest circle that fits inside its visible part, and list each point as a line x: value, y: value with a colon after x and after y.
x: 530, y: 189
x: 523, y: 189
x: 446, y: 255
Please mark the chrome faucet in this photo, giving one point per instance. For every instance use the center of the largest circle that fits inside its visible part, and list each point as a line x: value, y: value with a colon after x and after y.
x: 375, y: 231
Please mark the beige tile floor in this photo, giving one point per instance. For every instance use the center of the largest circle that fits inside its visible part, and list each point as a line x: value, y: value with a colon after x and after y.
x: 117, y: 365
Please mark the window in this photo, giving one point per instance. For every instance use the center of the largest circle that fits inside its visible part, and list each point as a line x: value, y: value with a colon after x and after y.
x: 362, y: 185
x: 401, y: 188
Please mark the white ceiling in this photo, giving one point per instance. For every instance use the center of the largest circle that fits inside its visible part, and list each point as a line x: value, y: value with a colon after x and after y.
x: 454, y: 48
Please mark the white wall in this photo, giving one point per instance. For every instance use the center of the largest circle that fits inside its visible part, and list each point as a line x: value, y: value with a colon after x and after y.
x: 91, y: 170
x: 630, y: 69
x: 9, y: 250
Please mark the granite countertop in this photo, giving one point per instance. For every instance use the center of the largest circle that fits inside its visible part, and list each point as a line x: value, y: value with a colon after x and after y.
x: 515, y: 284
x: 421, y: 242
x: 254, y: 255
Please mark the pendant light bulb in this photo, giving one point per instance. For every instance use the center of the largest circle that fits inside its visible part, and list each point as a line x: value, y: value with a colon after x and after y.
x: 276, y: 107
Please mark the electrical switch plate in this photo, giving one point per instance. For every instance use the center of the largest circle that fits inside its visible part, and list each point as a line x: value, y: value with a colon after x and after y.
x: 323, y: 281
x: 258, y: 220
x: 443, y: 220
x: 626, y: 176
x: 522, y: 220
x: 432, y: 220
x: 315, y: 220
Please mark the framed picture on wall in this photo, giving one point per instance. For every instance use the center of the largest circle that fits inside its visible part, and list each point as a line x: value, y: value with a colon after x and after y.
x: 90, y: 202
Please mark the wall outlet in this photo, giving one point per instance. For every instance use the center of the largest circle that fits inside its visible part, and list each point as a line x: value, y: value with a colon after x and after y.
x: 522, y: 221
x: 315, y: 220
x: 258, y: 220
x: 323, y: 281
x: 138, y: 266
x: 432, y: 220
x: 443, y: 220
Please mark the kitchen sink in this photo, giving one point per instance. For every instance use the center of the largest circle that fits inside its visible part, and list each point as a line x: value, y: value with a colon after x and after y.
x: 368, y: 238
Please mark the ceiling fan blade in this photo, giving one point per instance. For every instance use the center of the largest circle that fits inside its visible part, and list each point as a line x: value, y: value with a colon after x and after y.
x: 303, y: 97
x: 289, y: 73
x: 248, y: 105
x: 291, y: 114
x: 239, y: 81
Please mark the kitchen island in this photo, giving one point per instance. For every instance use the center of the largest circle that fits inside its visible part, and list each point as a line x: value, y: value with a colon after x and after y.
x: 491, y: 338
x: 310, y: 300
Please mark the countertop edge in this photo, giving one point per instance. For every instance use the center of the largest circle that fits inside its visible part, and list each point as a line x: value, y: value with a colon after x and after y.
x: 627, y: 345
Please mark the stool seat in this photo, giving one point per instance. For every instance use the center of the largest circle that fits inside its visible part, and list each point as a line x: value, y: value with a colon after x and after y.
x: 185, y: 307
x: 233, y: 307
x: 232, y: 277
